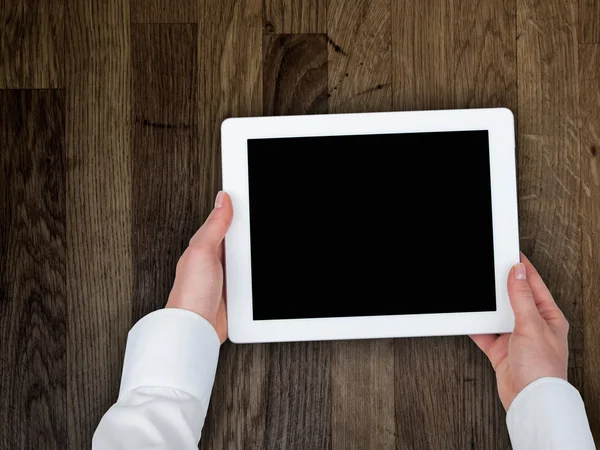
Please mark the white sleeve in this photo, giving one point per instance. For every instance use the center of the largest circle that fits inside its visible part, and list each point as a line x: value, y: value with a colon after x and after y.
x: 168, y: 374
x: 549, y: 414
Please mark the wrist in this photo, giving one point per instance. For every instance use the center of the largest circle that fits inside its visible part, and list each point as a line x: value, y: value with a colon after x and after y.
x: 541, y: 373
x: 173, y: 304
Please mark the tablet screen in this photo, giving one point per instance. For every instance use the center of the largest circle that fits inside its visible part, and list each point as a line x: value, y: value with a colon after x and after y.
x: 371, y: 225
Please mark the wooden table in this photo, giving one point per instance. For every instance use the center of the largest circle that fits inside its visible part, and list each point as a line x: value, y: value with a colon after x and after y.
x: 109, y: 160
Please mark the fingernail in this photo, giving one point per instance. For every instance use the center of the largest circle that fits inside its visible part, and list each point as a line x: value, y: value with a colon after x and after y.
x: 520, y: 272
x: 219, y: 200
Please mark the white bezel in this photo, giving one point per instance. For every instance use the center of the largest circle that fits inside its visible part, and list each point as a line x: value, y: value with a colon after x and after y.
x: 235, y: 132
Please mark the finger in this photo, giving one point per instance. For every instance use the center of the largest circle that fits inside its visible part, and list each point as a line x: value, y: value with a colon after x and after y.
x: 212, y: 232
x: 494, y: 346
x: 222, y: 321
x: 220, y: 252
x: 484, y: 341
x: 544, y: 301
x: 521, y: 297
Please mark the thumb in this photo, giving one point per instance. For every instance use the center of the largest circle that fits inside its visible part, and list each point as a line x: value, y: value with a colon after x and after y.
x: 212, y: 232
x: 521, y: 297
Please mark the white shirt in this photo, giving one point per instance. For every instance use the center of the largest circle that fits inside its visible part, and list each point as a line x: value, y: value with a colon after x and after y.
x: 169, y: 370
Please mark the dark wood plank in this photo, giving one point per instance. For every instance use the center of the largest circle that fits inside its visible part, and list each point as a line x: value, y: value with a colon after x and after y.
x: 589, y: 114
x: 295, y: 16
x: 422, y: 66
x: 11, y: 21
x: 449, y: 383
x: 362, y: 390
x: 31, y: 48
x: 484, y: 54
x: 98, y: 119
x: 230, y: 61
x: 360, y: 55
x: 428, y: 393
x: 549, y: 168
x: 483, y: 419
x: 294, y: 74
x: 164, y: 11
x: 299, y: 391
x: 299, y: 396
x: 43, y: 44
x: 360, y: 80
x: 237, y: 414
x: 589, y: 21
x: 33, y: 305
x: 485, y: 75
x: 166, y: 206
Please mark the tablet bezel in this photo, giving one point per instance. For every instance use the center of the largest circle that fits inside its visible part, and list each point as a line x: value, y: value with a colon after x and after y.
x: 234, y: 136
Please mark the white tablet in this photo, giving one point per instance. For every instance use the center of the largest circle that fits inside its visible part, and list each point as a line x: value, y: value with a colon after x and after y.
x: 352, y: 226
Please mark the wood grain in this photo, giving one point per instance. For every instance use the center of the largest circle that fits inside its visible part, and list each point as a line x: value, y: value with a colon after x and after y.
x: 485, y: 51
x: 485, y: 68
x: 589, y: 21
x: 33, y: 306
x: 98, y: 140
x: 422, y: 66
x: 31, y: 44
x: 449, y: 384
x: 299, y: 396
x: 164, y: 11
x: 238, y: 406
x: 360, y: 80
x: 549, y: 169
x: 230, y: 67
x: 166, y: 206
x: 299, y: 391
x: 589, y: 110
x: 294, y: 74
x: 362, y: 390
x: 294, y: 16
x: 11, y: 19
x: 359, y: 56
x: 102, y: 184
x: 428, y: 394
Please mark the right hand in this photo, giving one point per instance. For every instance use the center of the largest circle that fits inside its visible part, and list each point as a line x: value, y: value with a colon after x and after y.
x: 538, y: 345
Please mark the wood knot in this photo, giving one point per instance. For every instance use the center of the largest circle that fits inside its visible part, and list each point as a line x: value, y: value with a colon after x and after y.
x: 269, y: 28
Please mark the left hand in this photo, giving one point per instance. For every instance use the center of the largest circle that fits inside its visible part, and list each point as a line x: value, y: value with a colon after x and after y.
x: 198, y: 285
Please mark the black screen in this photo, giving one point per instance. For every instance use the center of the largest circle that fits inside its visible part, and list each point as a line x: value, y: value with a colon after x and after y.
x: 371, y: 225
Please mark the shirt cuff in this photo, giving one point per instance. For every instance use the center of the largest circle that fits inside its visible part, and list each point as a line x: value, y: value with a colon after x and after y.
x: 171, y: 348
x: 549, y: 413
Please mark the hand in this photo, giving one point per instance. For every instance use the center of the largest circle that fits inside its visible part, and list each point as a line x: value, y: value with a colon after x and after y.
x: 538, y: 345
x: 198, y: 285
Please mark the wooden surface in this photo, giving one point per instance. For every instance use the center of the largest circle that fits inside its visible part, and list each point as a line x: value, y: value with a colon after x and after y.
x: 33, y: 307
x: 31, y: 44
x: 111, y: 162
x: 165, y: 157
x: 99, y: 218
x: 589, y: 110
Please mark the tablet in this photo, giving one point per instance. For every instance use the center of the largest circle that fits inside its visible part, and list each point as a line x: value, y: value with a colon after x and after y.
x: 353, y: 226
